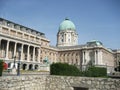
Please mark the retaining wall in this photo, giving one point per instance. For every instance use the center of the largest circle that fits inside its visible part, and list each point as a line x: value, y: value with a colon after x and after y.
x: 42, y: 82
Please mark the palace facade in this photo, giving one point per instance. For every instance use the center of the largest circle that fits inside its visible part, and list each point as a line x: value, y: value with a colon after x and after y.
x: 33, y: 50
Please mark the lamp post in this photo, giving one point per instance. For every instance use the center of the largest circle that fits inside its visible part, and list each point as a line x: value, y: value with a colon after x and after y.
x: 14, y: 61
x: 19, y: 54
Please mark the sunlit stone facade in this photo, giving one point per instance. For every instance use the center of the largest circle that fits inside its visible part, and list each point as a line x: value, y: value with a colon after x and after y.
x: 84, y: 55
x: 35, y: 48
x: 91, y: 53
x: 32, y: 43
x: 117, y: 59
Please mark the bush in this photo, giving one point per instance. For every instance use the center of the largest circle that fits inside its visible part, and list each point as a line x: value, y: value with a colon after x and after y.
x: 71, y: 70
x: 1, y: 67
x: 96, y: 72
x: 64, y: 69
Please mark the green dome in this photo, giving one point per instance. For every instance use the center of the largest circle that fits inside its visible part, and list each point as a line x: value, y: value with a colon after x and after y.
x: 94, y: 43
x: 67, y: 25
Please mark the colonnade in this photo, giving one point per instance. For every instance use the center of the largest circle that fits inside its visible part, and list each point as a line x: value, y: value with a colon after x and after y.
x: 70, y: 57
x: 94, y: 55
x: 9, y: 49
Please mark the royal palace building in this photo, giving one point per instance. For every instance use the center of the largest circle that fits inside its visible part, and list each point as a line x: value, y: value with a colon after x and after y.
x: 32, y: 49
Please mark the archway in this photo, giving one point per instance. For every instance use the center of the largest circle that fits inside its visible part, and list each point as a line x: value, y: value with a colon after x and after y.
x: 80, y: 88
x: 30, y: 67
x: 9, y: 65
x: 36, y: 67
x: 24, y: 66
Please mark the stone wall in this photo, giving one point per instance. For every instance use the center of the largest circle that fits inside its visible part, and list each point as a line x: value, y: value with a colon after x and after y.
x: 67, y: 83
x: 40, y: 82
x: 33, y: 82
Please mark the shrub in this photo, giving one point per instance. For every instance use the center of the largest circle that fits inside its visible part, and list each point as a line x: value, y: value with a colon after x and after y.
x: 64, y: 69
x: 96, y: 72
x: 1, y: 67
x: 71, y: 70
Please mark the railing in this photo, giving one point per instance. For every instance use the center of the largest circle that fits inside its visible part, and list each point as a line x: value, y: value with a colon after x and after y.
x: 12, y: 33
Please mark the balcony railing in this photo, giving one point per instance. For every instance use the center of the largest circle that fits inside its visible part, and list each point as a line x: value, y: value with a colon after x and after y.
x: 19, y: 34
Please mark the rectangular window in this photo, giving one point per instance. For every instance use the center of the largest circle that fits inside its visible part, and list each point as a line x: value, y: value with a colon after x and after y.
x: 5, y: 30
x: 26, y: 36
x: 13, y: 33
x: 32, y: 38
x: 68, y: 40
x: 19, y: 34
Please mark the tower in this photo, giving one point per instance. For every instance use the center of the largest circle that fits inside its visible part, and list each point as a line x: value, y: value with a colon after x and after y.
x: 67, y: 35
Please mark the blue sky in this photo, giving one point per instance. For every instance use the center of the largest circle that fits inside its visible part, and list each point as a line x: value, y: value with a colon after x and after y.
x: 94, y: 19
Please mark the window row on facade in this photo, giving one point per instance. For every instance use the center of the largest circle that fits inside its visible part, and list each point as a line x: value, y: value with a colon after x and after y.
x: 20, y: 27
x: 20, y: 34
x: 51, y: 55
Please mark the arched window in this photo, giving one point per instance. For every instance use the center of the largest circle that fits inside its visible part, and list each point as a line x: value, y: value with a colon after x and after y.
x: 76, y: 61
x: 62, y: 40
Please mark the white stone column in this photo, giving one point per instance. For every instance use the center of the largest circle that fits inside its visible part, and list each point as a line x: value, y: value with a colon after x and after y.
x: 28, y: 53
x: 95, y: 56
x: 0, y: 29
x: 15, y: 49
x: 55, y: 58
x: 87, y: 57
x: 38, y: 58
x: 0, y: 41
x: 33, y: 67
x: 21, y: 52
x: 83, y: 55
x: 100, y: 57
x: 83, y: 62
x: 7, y: 49
x: 74, y: 60
x: 33, y: 53
x: 78, y: 59
x: 27, y: 67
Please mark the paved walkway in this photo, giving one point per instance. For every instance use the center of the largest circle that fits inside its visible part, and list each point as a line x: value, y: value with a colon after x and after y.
x: 26, y: 73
